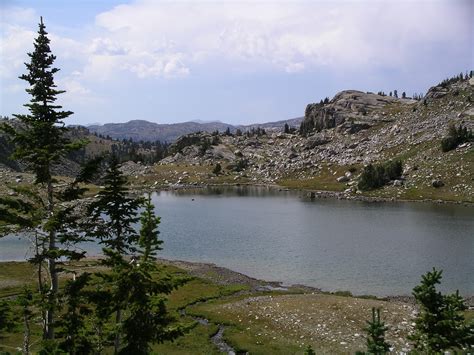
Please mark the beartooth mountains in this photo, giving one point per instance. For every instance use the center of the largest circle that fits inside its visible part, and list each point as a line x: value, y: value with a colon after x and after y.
x: 337, y: 140
x: 141, y: 130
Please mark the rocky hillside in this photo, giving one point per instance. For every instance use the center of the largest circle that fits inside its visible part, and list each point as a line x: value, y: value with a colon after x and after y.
x: 338, y: 139
x: 354, y: 110
x: 140, y: 130
x: 97, y: 145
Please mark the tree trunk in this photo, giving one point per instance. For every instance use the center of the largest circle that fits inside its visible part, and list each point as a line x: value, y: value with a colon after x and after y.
x: 118, y: 319
x: 52, y: 299
x: 40, y: 282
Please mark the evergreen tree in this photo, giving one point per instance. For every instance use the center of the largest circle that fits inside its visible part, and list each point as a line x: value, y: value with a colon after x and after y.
x: 376, y: 329
x: 286, y: 128
x: 440, y: 325
x: 113, y: 216
x: 40, y: 142
x: 76, y: 335
x: 456, y: 136
x: 148, y: 321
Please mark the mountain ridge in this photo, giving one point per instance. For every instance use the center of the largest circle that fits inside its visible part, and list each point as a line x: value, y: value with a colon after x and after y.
x: 143, y: 130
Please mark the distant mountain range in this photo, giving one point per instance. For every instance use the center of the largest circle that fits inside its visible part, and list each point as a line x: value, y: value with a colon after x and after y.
x: 141, y: 130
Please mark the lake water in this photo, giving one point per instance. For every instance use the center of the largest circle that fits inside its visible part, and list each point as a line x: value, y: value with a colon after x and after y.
x: 367, y: 248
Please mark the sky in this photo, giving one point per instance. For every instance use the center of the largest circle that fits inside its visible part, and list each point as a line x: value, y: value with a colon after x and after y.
x: 239, y: 62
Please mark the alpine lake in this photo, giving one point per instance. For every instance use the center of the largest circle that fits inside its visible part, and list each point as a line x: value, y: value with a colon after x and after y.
x: 367, y: 248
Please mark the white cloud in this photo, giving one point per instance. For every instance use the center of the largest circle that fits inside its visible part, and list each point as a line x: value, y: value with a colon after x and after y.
x: 16, y: 42
x: 151, y: 38
x: 73, y: 87
x: 286, y: 35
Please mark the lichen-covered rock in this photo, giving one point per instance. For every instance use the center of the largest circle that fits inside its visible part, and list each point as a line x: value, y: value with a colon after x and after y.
x: 349, y: 105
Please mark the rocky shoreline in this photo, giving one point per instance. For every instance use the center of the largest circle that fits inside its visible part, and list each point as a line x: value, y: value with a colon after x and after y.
x: 225, y: 276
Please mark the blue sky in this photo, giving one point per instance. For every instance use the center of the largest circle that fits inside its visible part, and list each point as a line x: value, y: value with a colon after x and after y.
x: 236, y: 61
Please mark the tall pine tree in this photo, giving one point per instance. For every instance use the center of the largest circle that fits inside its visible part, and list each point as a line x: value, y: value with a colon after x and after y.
x: 113, y: 216
x: 40, y: 142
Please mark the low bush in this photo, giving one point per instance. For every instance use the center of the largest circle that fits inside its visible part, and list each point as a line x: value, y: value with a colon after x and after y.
x: 456, y: 136
x: 375, y: 176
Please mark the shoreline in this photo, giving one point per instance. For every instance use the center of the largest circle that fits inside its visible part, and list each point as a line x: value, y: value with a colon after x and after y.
x: 310, y: 193
x: 228, y: 276
x: 224, y: 276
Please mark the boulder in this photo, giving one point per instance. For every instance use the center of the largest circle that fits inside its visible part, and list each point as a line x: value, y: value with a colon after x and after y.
x: 343, y: 178
x: 397, y: 183
x: 316, y: 140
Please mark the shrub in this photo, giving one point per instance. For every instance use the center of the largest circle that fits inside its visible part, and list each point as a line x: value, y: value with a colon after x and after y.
x: 456, y: 136
x: 373, y: 177
x: 217, y: 169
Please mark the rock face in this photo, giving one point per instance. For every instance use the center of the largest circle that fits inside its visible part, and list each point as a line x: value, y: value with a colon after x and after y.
x: 347, y: 106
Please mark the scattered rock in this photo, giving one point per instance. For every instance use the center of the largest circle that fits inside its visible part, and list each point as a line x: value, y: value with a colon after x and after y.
x: 343, y: 178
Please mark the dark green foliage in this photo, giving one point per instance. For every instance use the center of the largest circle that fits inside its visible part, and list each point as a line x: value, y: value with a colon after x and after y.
x: 376, y: 329
x: 309, y: 350
x: 456, y: 136
x: 186, y: 141
x: 241, y: 164
x: 204, y: 145
x: 286, y: 129
x: 142, y: 151
x: 7, y: 322
x: 40, y: 141
x: 440, y: 325
x: 76, y: 336
x: 115, y: 231
x: 215, y: 140
x: 148, y: 320
x: 129, y: 290
x: 112, y: 217
x: 217, y: 169
x: 149, y: 242
x: 255, y: 132
x: 375, y: 176
x: 452, y: 80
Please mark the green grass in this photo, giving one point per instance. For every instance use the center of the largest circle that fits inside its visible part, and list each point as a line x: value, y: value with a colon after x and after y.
x: 324, y: 179
x: 15, y: 275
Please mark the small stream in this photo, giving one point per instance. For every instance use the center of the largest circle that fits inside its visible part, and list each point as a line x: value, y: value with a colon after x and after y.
x: 218, y: 338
